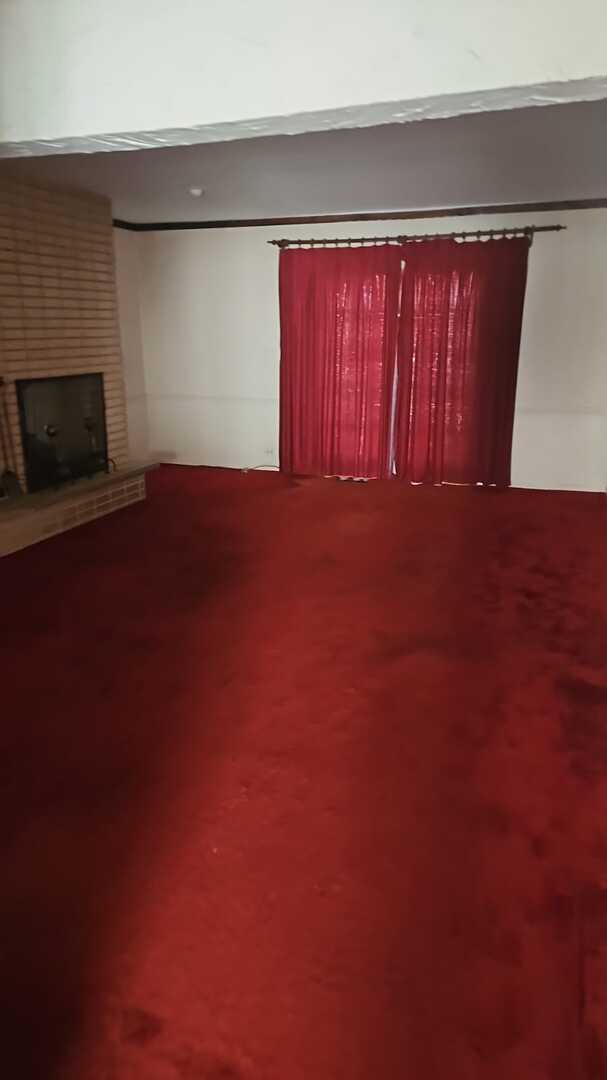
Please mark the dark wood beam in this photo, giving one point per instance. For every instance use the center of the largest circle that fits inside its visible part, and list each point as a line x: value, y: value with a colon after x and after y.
x: 373, y: 215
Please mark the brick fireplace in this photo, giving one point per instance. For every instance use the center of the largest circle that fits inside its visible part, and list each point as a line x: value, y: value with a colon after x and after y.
x: 58, y: 308
x: 58, y: 318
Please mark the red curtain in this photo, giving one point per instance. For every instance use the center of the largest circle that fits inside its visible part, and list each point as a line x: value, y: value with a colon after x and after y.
x: 338, y: 310
x: 460, y: 326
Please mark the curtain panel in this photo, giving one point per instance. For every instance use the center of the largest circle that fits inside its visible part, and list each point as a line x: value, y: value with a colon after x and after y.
x: 339, y: 320
x: 460, y: 328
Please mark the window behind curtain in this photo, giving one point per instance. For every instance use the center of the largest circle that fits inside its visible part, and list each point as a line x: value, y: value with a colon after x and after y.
x: 446, y: 370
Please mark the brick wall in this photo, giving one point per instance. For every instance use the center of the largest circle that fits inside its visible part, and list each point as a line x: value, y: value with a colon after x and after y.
x: 58, y: 308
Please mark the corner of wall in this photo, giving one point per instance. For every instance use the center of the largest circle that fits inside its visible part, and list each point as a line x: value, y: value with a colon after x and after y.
x: 128, y: 286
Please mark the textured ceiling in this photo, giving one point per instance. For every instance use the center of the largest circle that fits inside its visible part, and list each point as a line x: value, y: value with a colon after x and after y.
x: 525, y: 155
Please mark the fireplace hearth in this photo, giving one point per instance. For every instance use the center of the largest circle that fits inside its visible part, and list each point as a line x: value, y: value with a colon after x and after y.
x: 62, y: 429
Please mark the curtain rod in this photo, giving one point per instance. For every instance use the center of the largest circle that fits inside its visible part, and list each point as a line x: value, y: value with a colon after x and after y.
x: 347, y: 241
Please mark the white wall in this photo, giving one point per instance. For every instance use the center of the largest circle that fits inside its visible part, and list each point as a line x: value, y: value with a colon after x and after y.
x: 209, y: 302
x: 560, y: 437
x: 82, y: 67
x: 126, y: 252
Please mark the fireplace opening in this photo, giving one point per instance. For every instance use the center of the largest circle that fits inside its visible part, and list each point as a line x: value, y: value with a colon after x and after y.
x: 62, y: 428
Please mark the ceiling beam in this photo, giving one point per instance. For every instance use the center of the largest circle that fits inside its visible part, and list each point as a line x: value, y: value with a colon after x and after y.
x: 441, y: 106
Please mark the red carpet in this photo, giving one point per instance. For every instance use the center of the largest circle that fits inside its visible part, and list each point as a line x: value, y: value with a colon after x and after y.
x: 307, y: 781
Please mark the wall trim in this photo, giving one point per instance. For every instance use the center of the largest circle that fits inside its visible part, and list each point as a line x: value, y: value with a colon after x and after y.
x: 163, y: 396
x: 383, y: 215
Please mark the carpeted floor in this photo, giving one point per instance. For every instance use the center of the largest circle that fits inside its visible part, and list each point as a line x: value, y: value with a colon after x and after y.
x: 307, y: 781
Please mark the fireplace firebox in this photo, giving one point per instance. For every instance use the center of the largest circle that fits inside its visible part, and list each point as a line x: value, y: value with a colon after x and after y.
x: 62, y: 428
